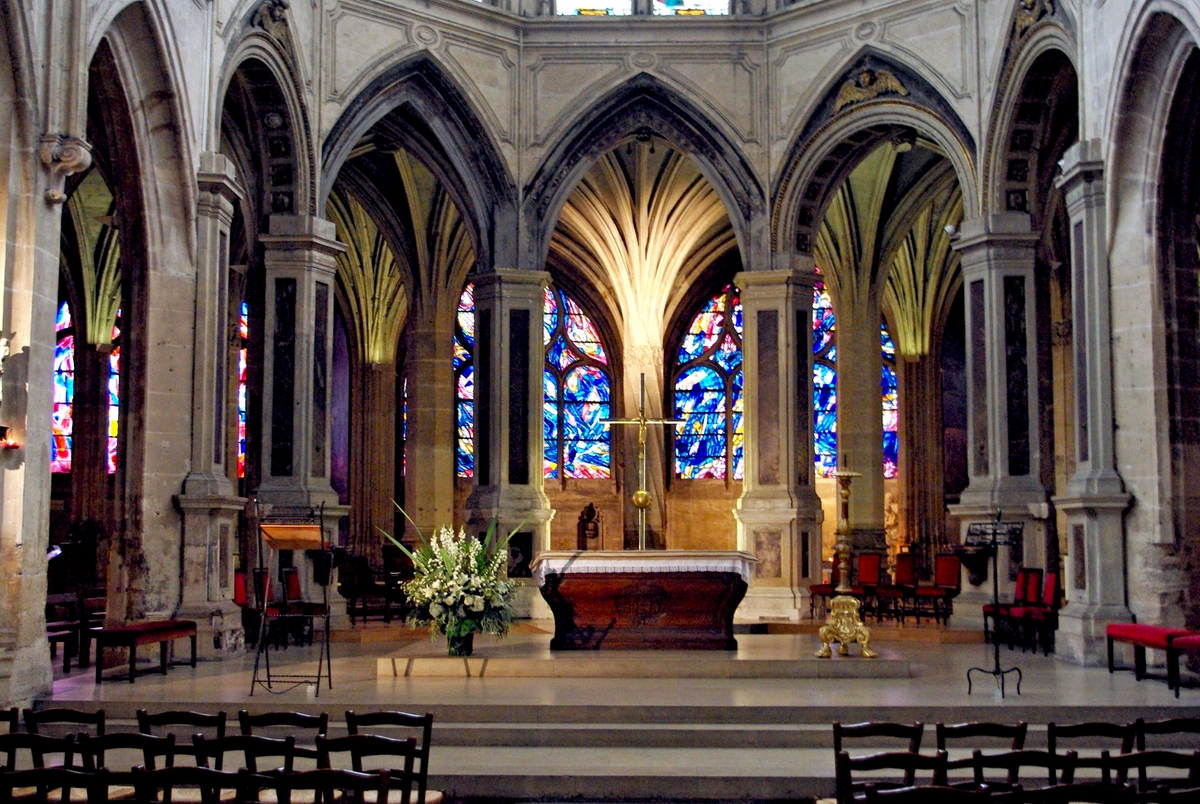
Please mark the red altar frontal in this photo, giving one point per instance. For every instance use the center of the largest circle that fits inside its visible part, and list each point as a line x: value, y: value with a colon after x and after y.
x: 638, y: 600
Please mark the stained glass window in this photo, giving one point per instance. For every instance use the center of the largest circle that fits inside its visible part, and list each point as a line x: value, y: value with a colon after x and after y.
x: 891, y: 414
x: 690, y: 7
x: 243, y: 341
x: 824, y: 383
x: 577, y: 392
x: 62, y: 422
x: 114, y: 395
x: 708, y: 392
x: 464, y: 379
x: 825, y: 390
x: 594, y: 8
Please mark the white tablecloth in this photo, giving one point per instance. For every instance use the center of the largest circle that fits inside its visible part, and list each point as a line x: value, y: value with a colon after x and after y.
x: 642, y: 561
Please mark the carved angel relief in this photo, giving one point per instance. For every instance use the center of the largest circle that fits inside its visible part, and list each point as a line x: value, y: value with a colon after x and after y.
x: 867, y: 85
x: 271, y: 17
x: 1029, y: 12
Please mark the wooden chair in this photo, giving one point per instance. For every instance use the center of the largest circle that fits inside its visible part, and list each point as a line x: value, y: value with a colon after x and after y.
x: 823, y: 591
x: 300, y: 611
x: 993, y: 611
x: 328, y: 784
x: 939, y: 597
x: 909, y: 734
x: 37, y: 721
x: 187, y: 784
x: 1013, y: 762
x: 1143, y: 761
x: 54, y: 783
x: 295, y: 723
x: 1121, y: 737
x: 1155, y: 728
x: 12, y: 717
x: 38, y: 747
x: 94, y: 751
x: 906, y: 762
x: 63, y: 626
x: 1030, y: 621
x: 936, y: 794
x: 1015, y: 735
x: 390, y: 722
x: 868, y: 574
x: 182, y: 723
x: 253, y: 749
x: 363, y: 746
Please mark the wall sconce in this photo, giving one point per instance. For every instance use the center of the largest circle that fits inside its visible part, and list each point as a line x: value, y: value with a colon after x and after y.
x: 6, y: 438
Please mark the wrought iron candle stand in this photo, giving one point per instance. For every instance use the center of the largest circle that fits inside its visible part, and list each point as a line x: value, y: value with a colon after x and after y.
x: 844, y: 624
x: 1001, y: 533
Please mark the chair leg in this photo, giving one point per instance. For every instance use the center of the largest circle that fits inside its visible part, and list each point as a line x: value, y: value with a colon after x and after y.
x: 1139, y: 662
x: 1110, y: 654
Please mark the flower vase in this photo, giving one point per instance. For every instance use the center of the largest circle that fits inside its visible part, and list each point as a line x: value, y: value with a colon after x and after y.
x: 461, y: 645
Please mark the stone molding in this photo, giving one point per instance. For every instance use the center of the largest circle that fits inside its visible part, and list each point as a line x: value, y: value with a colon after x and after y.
x: 63, y: 155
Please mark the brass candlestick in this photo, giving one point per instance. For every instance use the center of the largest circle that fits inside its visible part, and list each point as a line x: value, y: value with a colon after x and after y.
x: 844, y: 624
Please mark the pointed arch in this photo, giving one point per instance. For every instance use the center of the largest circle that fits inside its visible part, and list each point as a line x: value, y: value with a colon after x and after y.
x: 834, y: 141
x: 416, y: 105
x: 645, y: 105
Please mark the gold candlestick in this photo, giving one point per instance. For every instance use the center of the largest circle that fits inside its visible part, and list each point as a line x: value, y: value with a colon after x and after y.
x: 844, y: 624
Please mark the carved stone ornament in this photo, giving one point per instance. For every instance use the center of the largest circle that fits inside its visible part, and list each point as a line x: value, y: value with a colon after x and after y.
x: 868, y: 85
x: 271, y: 16
x: 844, y: 627
x: 63, y: 156
x: 1028, y: 13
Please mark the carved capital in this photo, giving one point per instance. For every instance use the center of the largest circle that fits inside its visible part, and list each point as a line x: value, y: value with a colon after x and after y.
x: 63, y: 156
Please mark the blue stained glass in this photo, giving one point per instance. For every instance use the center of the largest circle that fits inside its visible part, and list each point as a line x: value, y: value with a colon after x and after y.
x: 63, y: 319
x: 824, y: 383
x: 462, y: 360
x: 62, y: 419
x: 891, y: 415
x: 550, y: 438
x: 704, y: 331
x: 586, y: 384
x: 549, y: 316
x: 737, y: 314
x: 549, y: 385
x: 559, y: 356
x: 582, y: 333
x: 729, y: 356
x: 576, y: 392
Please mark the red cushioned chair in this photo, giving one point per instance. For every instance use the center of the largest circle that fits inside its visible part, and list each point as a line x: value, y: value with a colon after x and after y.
x: 947, y: 583
x: 993, y: 610
x: 1037, y: 621
x: 1141, y: 637
x: 894, y: 599
x: 868, y: 573
x: 823, y: 591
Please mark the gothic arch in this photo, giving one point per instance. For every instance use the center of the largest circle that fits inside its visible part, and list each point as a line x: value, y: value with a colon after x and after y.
x: 418, y: 106
x: 1031, y: 91
x: 645, y: 104
x: 259, y: 77
x: 835, y: 141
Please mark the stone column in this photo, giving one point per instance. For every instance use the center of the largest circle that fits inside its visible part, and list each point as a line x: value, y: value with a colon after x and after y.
x: 779, y: 513
x: 1095, y: 499
x: 509, y: 354
x: 299, y: 258
x: 209, y: 503
x: 373, y: 459
x: 922, y: 472
x: 432, y: 439
x: 1002, y: 394
x: 860, y: 417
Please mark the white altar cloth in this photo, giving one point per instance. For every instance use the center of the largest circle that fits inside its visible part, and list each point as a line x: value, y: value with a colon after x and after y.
x: 562, y: 562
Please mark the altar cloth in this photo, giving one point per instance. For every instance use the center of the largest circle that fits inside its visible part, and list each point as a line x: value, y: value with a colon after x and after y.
x: 657, y: 600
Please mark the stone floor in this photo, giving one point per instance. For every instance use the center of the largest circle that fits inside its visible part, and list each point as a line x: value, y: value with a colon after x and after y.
x: 651, y: 738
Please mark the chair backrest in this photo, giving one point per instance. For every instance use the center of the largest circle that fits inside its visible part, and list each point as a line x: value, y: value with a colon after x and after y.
x: 947, y: 571
x: 1050, y: 591
x: 913, y: 732
x: 392, y: 723
x: 292, y: 593
x: 93, y: 749
x: 56, y: 779
x: 835, y: 571
x: 1120, y: 765
x: 64, y: 721
x: 1012, y: 762
x: 869, y: 566
x: 1034, y: 590
x: 387, y: 785
x: 1021, y: 587
x: 37, y: 746
x: 278, y: 724
x: 12, y: 717
x: 1114, y: 734
x: 264, y: 593
x: 252, y: 748
x: 210, y: 782
x: 183, y: 725
x: 908, y: 762
x: 1014, y: 733
x: 1175, y: 727
x: 239, y: 588
x: 906, y: 570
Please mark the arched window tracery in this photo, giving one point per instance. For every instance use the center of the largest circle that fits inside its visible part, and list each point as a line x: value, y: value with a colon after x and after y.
x: 577, y: 392
x: 708, y: 392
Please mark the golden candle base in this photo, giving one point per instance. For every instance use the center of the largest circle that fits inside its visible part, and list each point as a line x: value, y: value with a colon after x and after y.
x: 843, y: 627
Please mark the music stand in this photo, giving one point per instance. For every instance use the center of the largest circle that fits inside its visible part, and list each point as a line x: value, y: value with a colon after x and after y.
x: 994, y: 535
x: 297, y: 531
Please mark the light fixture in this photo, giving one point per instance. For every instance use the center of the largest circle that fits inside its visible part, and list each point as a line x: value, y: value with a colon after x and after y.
x: 6, y: 438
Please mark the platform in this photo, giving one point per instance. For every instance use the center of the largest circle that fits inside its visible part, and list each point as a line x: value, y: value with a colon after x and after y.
x: 530, y: 656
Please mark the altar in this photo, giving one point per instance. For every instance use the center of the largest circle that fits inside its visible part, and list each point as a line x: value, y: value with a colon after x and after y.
x: 639, y: 600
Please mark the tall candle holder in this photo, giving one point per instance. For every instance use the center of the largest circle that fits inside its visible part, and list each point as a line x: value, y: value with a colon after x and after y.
x: 844, y: 624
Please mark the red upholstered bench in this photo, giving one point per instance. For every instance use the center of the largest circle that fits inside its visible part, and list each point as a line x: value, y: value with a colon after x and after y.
x: 1141, y: 637
x: 142, y: 633
x: 1190, y: 643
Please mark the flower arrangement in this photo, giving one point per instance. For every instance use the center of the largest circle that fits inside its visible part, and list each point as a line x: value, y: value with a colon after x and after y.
x: 458, y: 587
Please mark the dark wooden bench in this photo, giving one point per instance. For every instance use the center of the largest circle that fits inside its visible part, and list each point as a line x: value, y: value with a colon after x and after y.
x: 1141, y: 637
x: 142, y: 633
x: 1189, y: 643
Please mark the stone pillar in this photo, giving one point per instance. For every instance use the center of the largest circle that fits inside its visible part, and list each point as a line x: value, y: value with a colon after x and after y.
x: 373, y: 459
x: 922, y: 471
x: 432, y: 438
x: 509, y: 474
x: 860, y: 417
x: 299, y: 258
x: 779, y: 513
x: 1095, y: 499
x: 1002, y: 395
x: 209, y: 502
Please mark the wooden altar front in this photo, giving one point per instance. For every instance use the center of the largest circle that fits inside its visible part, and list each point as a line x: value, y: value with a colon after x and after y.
x: 638, y: 600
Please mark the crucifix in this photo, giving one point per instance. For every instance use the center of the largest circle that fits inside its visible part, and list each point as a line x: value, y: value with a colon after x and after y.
x: 641, y: 497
